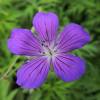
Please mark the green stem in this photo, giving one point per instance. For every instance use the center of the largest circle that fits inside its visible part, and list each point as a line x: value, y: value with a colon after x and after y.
x: 10, y: 68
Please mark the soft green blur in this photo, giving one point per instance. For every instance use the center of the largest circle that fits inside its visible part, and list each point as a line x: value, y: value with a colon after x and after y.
x: 19, y: 13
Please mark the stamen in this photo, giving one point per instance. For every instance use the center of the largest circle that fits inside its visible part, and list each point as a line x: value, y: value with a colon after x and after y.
x: 50, y: 51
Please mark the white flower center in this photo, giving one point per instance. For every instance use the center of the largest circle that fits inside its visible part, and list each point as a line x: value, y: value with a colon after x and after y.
x: 49, y: 51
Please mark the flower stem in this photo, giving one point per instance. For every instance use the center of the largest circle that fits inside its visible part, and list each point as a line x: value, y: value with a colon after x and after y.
x: 10, y: 68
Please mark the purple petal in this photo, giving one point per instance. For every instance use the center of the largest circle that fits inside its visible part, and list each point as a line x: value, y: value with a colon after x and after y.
x: 72, y: 37
x: 68, y: 67
x: 46, y: 24
x: 33, y: 73
x: 22, y: 42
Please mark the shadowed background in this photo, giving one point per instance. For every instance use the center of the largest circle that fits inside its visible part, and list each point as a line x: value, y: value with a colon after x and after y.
x: 19, y: 13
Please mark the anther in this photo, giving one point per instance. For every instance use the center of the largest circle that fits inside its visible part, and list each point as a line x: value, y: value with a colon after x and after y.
x: 43, y: 52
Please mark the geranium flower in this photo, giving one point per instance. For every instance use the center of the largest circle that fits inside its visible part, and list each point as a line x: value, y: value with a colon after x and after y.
x: 46, y: 48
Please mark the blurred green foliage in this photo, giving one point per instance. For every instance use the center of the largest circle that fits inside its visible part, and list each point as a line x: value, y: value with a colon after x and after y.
x: 19, y: 13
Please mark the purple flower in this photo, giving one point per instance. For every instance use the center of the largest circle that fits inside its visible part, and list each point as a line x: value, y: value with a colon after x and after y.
x: 46, y: 48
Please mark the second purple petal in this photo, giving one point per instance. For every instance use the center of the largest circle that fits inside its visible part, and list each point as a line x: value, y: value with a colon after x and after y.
x: 46, y: 24
x: 72, y: 37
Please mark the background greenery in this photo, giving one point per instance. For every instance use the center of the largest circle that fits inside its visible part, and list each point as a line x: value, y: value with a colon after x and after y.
x: 19, y: 13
